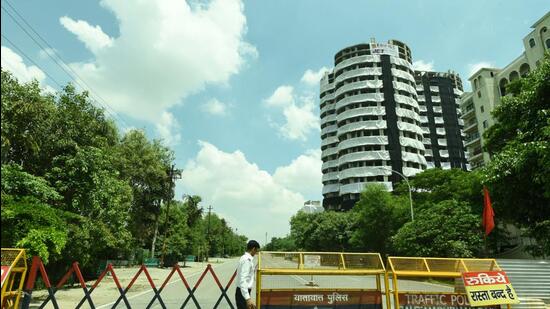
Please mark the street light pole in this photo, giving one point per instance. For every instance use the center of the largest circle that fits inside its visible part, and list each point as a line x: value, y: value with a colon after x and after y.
x: 408, y: 185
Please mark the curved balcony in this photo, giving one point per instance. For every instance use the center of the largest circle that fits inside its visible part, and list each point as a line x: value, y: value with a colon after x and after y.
x: 436, y: 99
x: 403, y: 74
x: 361, y: 111
x: 399, y: 98
x: 401, y: 112
x: 440, y: 131
x: 444, y: 153
x: 405, y: 126
x: 358, y: 187
x: 402, y: 62
x: 329, y: 129
x: 330, y: 176
x: 328, y: 118
x: 329, y: 152
x: 326, y: 87
x: 446, y: 165
x: 425, y: 130
x: 404, y: 87
x: 362, y: 125
x: 423, y: 119
x: 363, y: 84
x: 329, y: 141
x: 410, y: 171
x: 329, y: 164
x: 363, y: 97
x: 329, y: 106
x: 364, y: 171
x: 422, y: 108
x: 442, y: 141
x: 364, y: 156
x: 413, y: 157
x: 326, y: 98
x: 331, y: 188
x: 358, y: 72
x: 437, y: 109
x: 438, y: 120
x: 356, y: 60
x: 434, y: 89
x: 362, y: 141
x: 411, y: 142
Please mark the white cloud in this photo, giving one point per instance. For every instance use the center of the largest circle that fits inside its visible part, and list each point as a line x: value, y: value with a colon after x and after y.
x: 303, y: 175
x: 421, y: 65
x: 298, y: 112
x: 166, y: 50
x: 93, y: 37
x: 312, y: 78
x: 167, y: 128
x: 251, y: 199
x: 215, y: 107
x: 474, y: 67
x: 282, y: 96
x: 12, y: 62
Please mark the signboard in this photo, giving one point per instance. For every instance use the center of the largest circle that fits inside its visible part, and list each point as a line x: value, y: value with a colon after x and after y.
x: 312, y: 260
x: 435, y: 300
x: 311, y: 298
x: 489, y: 288
x: 5, y: 272
x: 383, y: 49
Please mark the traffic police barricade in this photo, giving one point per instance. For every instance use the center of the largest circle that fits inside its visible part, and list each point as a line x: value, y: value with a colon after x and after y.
x: 418, y: 282
x: 321, y: 279
x: 14, y: 270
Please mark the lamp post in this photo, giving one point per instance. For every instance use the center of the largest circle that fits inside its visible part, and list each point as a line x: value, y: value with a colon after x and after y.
x: 408, y: 185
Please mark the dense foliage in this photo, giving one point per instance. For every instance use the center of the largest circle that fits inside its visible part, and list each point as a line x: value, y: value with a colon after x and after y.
x: 75, y: 189
x: 519, y: 143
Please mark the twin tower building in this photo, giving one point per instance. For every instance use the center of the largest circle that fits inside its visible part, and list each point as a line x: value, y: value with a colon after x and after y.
x: 381, y: 120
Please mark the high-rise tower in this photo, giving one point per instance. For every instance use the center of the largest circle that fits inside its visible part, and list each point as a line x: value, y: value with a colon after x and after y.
x: 371, y: 124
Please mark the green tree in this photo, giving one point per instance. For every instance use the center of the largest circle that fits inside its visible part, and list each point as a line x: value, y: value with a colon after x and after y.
x: 519, y: 144
x: 379, y: 215
x: 447, y: 229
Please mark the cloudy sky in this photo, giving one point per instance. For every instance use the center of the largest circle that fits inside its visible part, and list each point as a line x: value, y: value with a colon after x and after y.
x: 232, y: 86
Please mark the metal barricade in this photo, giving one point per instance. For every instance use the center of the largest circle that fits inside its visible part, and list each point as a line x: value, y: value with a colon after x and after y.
x: 324, y: 279
x: 418, y: 282
x: 14, y: 270
x: 37, y: 267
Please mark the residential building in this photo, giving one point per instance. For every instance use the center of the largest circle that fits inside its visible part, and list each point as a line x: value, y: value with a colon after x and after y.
x: 373, y: 128
x: 311, y: 207
x: 489, y: 86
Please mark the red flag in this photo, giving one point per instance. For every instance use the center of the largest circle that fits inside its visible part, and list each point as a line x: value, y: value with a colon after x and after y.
x: 487, y: 221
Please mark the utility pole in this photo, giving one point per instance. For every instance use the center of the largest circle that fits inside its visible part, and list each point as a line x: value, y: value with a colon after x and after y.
x: 208, y: 233
x: 173, y: 174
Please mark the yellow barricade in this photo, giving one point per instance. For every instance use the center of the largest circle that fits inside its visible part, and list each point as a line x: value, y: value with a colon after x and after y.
x: 296, y: 279
x: 433, y: 282
x: 14, y: 270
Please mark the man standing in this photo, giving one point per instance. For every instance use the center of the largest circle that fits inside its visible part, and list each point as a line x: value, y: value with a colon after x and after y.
x: 245, y: 276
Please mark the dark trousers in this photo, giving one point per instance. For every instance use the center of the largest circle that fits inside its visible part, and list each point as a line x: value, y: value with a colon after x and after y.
x: 239, y: 299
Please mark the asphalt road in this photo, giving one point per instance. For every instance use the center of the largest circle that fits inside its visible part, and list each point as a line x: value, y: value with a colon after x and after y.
x: 208, y: 292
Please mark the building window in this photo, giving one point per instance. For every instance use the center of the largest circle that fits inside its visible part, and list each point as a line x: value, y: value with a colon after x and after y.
x: 482, y: 109
x: 475, y: 84
x: 485, y: 124
x: 524, y: 70
x: 492, y: 74
x: 548, y: 43
x: 479, y: 94
x: 513, y: 75
x: 502, y: 85
x: 532, y: 42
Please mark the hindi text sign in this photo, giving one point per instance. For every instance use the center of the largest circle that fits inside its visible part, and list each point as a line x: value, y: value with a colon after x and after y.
x: 489, y: 288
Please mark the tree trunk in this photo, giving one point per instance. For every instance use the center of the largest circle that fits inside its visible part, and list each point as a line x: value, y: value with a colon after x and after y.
x: 155, y: 236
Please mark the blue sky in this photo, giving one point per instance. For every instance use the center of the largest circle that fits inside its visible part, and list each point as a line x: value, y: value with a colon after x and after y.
x: 224, y: 83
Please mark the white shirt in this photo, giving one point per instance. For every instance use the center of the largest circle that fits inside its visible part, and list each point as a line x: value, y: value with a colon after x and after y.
x: 245, y: 274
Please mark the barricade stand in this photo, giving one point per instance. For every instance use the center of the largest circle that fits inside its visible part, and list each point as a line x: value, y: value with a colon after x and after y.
x: 37, y: 265
x: 434, y: 294
x: 14, y: 270
x: 309, y: 279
